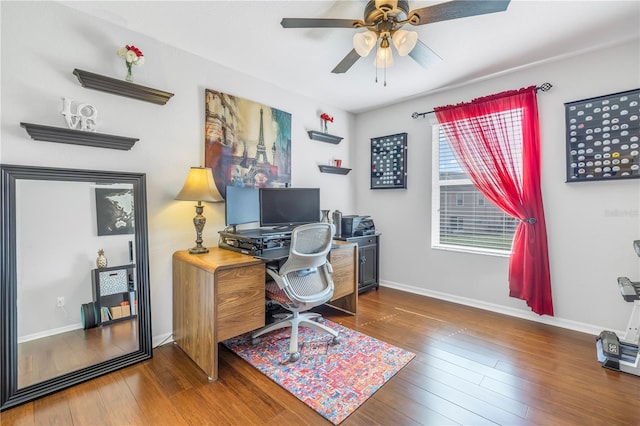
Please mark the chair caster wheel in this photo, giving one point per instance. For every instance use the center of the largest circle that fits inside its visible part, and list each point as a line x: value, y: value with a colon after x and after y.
x: 335, y: 341
x: 255, y: 341
x: 294, y: 357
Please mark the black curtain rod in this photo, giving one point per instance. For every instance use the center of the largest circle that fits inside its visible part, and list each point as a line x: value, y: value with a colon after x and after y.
x: 543, y: 87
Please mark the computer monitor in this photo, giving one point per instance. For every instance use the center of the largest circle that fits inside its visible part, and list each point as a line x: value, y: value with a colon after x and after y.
x: 241, y: 206
x: 289, y: 207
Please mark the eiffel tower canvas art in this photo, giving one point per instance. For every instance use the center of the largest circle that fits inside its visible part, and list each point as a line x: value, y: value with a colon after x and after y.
x: 246, y: 143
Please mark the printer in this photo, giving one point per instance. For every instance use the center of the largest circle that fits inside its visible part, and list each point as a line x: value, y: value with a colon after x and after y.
x: 355, y: 226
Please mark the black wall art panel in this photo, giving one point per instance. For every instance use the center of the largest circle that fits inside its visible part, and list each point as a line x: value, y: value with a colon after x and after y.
x: 603, y: 137
x: 389, y: 162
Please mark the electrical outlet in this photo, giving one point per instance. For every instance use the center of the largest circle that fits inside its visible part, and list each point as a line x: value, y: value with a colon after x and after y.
x: 60, y: 301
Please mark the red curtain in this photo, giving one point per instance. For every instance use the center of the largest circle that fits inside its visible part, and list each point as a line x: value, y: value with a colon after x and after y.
x: 481, y: 134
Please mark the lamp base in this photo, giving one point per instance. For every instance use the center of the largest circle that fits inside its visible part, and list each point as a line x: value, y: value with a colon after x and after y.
x: 199, y: 222
x: 198, y: 250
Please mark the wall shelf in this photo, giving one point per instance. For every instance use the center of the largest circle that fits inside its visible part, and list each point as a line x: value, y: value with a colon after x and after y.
x: 324, y: 137
x: 334, y: 170
x: 121, y: 87
x: 77, y: 137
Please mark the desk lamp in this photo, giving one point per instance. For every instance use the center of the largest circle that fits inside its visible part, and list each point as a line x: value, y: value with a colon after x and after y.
x: 199, y: 187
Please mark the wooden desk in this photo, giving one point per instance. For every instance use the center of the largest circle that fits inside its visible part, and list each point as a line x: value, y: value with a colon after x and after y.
x: 216, y: 295
x: 220, y: 294
x: 344, y: 260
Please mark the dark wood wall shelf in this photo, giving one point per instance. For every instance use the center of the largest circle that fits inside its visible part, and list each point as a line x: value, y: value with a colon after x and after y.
x: 39, y: 132
x: 334, y: 170
x: 121, y: 87
x: 324, y: 137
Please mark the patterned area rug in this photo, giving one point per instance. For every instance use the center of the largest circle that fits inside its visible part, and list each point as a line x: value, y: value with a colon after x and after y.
x: 334, y: 380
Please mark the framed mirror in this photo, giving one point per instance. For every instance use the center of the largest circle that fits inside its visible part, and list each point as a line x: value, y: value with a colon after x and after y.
x: 64, y: 319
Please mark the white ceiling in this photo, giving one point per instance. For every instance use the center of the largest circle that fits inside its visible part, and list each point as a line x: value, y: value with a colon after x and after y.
x: 247, y: 36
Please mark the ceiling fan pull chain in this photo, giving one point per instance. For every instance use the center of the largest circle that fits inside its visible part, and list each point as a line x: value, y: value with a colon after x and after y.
x: 376, y: 64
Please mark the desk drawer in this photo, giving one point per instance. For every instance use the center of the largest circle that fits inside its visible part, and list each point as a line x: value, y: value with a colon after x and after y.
x: 343, y: 261
x: 240, y: 300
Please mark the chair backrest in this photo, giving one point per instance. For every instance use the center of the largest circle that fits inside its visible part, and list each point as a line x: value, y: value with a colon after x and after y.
x: 306, y: 275
x: 310, y: 245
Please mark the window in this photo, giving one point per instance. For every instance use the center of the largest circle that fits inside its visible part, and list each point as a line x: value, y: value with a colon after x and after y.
x: 478, y: 227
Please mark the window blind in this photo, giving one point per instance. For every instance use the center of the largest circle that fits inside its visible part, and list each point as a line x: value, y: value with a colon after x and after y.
x: 462, y: 218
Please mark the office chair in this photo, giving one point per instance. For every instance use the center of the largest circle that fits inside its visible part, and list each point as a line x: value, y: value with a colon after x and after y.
x: 301, y: 283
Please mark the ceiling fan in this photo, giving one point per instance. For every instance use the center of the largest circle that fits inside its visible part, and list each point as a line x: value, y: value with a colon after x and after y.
x: 384, y: 20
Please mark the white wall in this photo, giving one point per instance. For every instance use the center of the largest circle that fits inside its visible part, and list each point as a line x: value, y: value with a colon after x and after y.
x: 42, y: 43
x: 591, y: 225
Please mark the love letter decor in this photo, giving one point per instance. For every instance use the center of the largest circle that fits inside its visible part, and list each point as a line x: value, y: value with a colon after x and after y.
x: 82, y: 118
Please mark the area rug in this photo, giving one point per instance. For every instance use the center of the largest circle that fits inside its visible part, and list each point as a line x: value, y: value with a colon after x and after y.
x: 334, y: 380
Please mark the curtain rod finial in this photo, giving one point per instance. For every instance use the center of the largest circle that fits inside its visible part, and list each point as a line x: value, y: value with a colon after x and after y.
x: 544, y: 87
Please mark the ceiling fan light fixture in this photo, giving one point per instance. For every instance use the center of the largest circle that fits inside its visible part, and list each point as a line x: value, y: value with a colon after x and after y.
x: 364, y: 42
x: 384, y: 58
x: 405, y: 41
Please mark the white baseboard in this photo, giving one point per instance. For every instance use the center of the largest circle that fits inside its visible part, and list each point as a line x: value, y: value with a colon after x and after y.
x: 161, y: 339
x: 51, y: 332
x: 555, y: 321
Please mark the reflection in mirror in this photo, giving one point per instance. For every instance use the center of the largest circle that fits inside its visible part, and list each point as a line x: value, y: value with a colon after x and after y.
x: 54, y: 280
x: 64, y: 319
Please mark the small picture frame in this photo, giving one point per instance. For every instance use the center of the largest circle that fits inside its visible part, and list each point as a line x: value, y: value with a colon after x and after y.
x: 114, y: 211
x: 389, y: 162
x: 603, y: 137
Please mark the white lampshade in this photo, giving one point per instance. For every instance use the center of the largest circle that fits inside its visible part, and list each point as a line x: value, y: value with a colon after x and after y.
x: 364, y: 42
x: 405, y: 41
x: 384, y: 58
x: 199, y: 186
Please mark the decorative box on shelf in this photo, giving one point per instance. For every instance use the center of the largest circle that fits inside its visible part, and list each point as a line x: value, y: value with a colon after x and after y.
x: 324, y: 137
x: 114, y: 291
x: 121, y: 87
x: 39, y: 132
x: 332, y: 169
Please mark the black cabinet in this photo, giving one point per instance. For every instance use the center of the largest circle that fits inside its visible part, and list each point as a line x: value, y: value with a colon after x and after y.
x: 368, y: 261
x: 115, y: 293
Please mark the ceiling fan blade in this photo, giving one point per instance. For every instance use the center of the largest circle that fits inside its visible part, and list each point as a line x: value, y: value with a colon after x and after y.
x: 424, y: 56
x: 457, y: 9
x: 346, y: 62
x: 320, y: 23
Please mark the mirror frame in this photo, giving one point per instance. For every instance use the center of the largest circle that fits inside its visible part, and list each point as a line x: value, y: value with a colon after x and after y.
x: 10, y: 395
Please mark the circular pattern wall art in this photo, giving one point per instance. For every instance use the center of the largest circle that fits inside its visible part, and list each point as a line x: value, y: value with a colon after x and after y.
x: 603, y: 137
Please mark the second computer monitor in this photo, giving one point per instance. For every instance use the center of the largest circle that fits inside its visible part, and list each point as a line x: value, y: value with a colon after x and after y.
x: 241, y: 206
x: 288, y: 207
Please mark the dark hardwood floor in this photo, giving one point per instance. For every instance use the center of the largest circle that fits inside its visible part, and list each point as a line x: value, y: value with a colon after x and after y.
x: 472, y: 367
